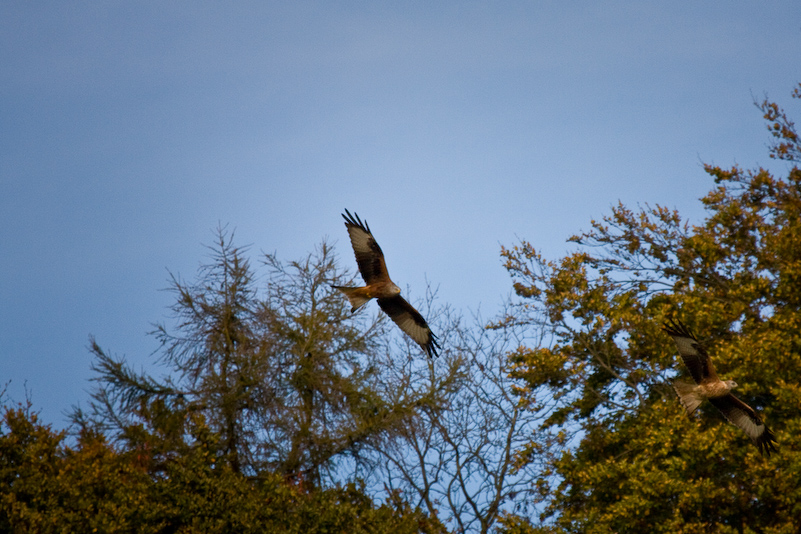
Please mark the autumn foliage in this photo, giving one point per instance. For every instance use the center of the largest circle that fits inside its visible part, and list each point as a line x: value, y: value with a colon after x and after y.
x: 282, y: 412
x: 623, y: 456
x: 48, y: 485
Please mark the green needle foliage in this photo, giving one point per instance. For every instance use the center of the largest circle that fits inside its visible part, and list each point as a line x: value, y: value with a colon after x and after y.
x: 287, y: 377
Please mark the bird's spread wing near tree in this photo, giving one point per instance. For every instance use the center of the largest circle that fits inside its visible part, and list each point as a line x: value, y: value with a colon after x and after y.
x: 743, y: 416
x: 693, y: 355
x: 369, y: 256
x: 411, y: 322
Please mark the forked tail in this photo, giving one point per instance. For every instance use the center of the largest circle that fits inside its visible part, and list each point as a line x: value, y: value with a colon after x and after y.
x: 688, y: 395
x: 356, y: 295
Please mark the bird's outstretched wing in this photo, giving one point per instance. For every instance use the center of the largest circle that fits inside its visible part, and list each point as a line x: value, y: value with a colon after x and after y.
x: 743, y: 416
x: 411, y: 322
x: 369, y: 257
x: 692, y: 353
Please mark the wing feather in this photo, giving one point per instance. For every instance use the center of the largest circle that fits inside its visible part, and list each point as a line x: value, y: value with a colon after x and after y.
x: 411, y: 322
x: 693, y: 355
x: 369, y: 256
x: 743, y: 416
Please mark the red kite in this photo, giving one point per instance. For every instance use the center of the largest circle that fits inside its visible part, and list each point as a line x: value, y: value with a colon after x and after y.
x: 371, y: 264
x: 718, y: 391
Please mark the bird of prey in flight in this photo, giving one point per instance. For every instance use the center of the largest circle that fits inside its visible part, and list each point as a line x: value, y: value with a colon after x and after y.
x: 718, y: 392
x: 371, y: 264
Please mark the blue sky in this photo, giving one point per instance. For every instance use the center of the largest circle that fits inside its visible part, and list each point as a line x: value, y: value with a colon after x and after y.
x: 130, y: 130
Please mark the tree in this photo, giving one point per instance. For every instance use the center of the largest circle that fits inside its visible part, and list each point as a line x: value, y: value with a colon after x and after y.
x: 459, y: 463
x: 49, y: 486
x: 289, y: 379
x: 621, y: 455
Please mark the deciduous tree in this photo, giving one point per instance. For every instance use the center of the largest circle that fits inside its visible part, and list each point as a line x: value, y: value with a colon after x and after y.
x: 459, y: 463
x: 622, y: 454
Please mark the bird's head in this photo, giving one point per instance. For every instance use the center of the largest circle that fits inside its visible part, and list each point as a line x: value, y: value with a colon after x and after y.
x: 731, y: 384
x: 395, y: 289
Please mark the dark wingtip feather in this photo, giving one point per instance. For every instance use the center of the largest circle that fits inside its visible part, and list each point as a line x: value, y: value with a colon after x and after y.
x: 677, y: 328
x: 766, y: 443
x: 355, y: 221
x: 432, y: 346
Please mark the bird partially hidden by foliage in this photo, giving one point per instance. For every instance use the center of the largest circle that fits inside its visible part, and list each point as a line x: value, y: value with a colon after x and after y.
x: 370, y: 260
x: 718, y: 392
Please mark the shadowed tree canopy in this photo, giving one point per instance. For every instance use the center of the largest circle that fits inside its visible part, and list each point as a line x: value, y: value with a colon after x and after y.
x: 621, y: 455
x: 51, y: 484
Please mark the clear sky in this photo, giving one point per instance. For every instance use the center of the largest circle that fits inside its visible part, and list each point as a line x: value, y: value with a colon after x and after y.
x: 130, y: 130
